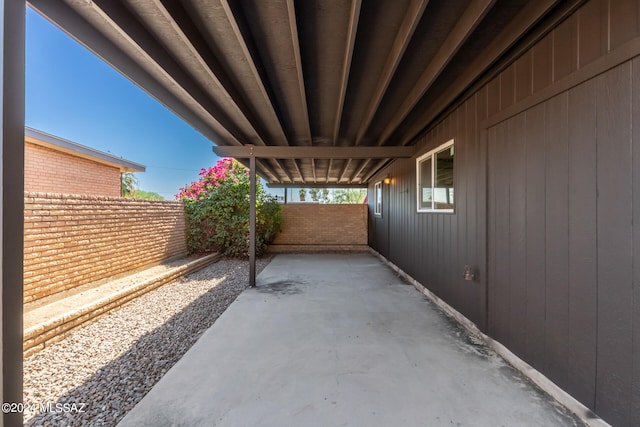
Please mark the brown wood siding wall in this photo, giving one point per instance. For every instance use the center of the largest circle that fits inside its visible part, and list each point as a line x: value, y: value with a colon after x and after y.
x: 435, y: 247
x: 547, y: 195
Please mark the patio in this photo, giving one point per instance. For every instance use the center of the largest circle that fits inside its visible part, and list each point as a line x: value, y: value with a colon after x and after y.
x: 339, y: 339
x: 540, y: 99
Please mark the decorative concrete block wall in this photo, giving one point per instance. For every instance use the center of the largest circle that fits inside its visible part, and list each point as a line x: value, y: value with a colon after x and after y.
x: 51, y: 171
x: 71, y: 240
x: 317, y: 227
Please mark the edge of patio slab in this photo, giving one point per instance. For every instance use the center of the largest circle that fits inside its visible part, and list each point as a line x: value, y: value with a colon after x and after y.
x: 314, y: 248
x: 60, y: 325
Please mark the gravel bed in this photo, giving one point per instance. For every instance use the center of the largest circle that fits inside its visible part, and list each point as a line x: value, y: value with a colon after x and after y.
x: 106, y: 367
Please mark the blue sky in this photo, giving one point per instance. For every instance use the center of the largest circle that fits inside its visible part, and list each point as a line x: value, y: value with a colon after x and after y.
x: 73, y: 94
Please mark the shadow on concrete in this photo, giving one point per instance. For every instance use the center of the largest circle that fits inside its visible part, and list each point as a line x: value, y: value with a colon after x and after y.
x: 106, y: 396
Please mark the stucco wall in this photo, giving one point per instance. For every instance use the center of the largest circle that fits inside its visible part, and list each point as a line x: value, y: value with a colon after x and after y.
x: 73, y: 240
x: 50, y: 171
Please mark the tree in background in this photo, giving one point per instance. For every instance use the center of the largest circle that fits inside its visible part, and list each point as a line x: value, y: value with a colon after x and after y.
x: 337, y: 196
x: 146, y: 195
x: 320, y: 195
x: 355, y: 195
x: 129, y: 187
x: 128, y: 184
x: 217, y: 208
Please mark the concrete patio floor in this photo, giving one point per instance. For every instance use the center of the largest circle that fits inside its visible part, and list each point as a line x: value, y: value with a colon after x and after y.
x: 339, y: 339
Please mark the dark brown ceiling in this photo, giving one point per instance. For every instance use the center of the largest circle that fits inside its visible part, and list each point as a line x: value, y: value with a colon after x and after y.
x: 325, y: 73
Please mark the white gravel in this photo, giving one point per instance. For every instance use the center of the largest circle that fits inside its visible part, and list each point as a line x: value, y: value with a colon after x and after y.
x: 107, y: 367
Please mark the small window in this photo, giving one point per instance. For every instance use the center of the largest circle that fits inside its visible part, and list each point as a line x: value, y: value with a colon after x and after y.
x: 434, y: 172
x: 377, y: 198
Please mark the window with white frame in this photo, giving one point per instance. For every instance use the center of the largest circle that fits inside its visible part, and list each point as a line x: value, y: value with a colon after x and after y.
x: 377, y: 198
x: 434, y: 172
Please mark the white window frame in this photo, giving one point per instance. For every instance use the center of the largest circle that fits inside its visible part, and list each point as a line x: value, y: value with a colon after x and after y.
x: 419, y: 161
x: 377, y: 201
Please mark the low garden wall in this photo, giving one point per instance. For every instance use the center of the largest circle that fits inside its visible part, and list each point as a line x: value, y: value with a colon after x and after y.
x: 71, y: 240
x: 318, y: 227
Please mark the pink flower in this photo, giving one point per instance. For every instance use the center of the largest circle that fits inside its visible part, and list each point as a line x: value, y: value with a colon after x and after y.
x: 224, y: 171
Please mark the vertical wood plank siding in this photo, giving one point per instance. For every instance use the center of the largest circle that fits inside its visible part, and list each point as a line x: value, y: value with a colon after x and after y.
x: 547, y: 192
x: 614, y: 231
x: 535, y: 273
x: 583, y: 272
x: 635, y: 351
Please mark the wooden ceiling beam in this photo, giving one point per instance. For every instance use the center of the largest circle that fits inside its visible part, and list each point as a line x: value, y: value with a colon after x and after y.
x: 295, y: 40
x: 329, y: 170
x: 297, y: 166
x: 374, y: 170
x: 246, y: 52
x: 90, y: 36
x: 343, y: 171
x: 304, y: 152
x: 128, y: 28
x: 403, y: 38
x: 473, y: 14
x: 313, y: 171
x: 195, y: 44
x: 268, y: 170
x: 528, y: 17
x: 263, y: 169
x: 284, y: 169
x: 354, y: 18
x: 319, y: 185
x: 363, y: 164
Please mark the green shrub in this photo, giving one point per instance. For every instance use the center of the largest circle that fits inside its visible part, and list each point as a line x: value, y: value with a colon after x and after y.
x: 217, y: 208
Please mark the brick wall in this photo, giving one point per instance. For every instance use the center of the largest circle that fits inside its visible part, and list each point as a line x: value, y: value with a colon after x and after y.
x: 322, y: 227
x: 71, y: 240
x: 50, y: 171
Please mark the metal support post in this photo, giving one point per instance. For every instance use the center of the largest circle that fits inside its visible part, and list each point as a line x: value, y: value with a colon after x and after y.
x: 12, y: 59
x: 252, y: 222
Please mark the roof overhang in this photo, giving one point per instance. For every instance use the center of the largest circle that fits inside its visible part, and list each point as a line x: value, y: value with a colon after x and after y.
x: 69, y: 147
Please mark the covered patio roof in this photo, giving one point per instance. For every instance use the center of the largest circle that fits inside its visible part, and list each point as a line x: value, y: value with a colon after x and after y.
x: 320, y: 74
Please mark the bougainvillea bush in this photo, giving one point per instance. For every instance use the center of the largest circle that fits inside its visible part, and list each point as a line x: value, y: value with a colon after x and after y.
x: 217, y: 208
